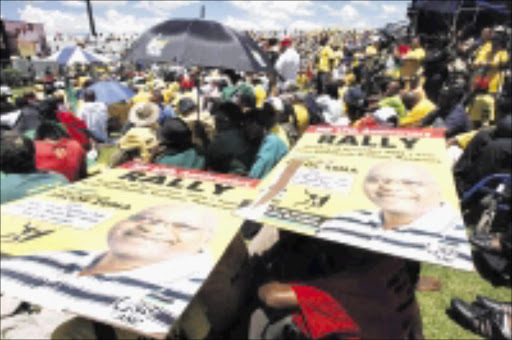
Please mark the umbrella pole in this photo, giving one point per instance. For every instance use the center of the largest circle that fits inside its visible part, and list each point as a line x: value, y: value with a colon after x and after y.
x: 198, y: 87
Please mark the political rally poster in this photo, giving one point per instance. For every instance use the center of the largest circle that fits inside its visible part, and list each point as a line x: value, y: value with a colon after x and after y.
x: 129, y: 247
x: 385, y: 190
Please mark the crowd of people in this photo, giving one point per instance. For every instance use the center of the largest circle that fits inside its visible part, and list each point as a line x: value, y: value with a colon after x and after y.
x: 244, y: 123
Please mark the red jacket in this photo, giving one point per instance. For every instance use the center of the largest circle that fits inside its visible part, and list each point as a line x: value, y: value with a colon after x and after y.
x: 65, y: 157
x: 75, y: 127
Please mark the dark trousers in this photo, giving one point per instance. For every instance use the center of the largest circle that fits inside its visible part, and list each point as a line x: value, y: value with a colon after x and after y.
x: 321, y: 82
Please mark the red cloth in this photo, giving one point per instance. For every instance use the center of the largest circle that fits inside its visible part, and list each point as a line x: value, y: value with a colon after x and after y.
x: 65, y: 157
x: 75, y: 128
x: 320, y: 315
x: 403, y: 50
x: 187, y: 84
x: 366, y: 122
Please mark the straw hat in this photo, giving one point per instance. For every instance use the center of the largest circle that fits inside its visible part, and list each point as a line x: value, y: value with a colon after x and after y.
x: 144, y: 114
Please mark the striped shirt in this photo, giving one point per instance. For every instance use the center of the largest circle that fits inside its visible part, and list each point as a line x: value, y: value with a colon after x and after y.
x: 439, y: 236
x: 146, y: 300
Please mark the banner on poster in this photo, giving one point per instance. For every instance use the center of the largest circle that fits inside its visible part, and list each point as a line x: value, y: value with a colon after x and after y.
x: 385, y: 190
x: 129, y: 247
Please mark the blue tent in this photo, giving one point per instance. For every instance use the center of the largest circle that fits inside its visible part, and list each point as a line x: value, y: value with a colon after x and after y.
x: 74, y: 54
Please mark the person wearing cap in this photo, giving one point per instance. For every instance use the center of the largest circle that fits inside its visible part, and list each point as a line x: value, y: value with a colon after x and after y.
x: 417, y: 109
x: 354, y: 100
x: 202, y: 125
x: 176, y: 147
x: 288, y: 63
x: 95, y: 116
x: 140, y: 141
x: 271, y: 149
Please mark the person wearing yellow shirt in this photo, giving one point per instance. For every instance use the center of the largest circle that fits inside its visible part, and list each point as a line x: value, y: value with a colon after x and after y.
x: 338, y: 55
x: 485, y: 48
x: 372, y: 50
x: 418, y: 109
x: 142, y: 96
x: 259, y: 91
x: 171, y: 91
x: 302, y: 80
x: 497, y: 59
x: 325, y: 61
x: 413, y: 59
x: 481, y: 108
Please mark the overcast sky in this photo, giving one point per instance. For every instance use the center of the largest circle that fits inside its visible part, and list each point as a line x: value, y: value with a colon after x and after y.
x: 135, y: 16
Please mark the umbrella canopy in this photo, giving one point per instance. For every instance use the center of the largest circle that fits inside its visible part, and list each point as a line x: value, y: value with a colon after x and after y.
x: 111, y: 92
x: 74, y: 54
x: 201, y: 43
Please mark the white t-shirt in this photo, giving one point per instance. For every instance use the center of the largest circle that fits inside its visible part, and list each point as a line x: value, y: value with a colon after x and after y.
x: 95, y: 116
x: 288, y: 65
x: 332, y: 109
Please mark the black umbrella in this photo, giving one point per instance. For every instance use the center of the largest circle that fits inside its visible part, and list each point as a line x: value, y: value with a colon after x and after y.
x: 200, y: 43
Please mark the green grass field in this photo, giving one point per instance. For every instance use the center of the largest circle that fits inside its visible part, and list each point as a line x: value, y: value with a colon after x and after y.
x: 436, y: 324
x: 18, y: 91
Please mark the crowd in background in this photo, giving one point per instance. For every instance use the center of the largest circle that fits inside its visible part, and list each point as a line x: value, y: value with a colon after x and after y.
x: 244, y: 123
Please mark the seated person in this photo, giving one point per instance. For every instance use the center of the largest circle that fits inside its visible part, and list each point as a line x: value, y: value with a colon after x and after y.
x: 278, y: 109
x: 327, y: 290
x: 57, y: 152
x: 18, y: 163
x: 450, y: 113
x: 165, y: 111
x: 481, y: 107
x: 95, y: 116
x: 332, y: 107
x: 417, y: 109
x: 76, y: 128
x: 391, y: 98
x: 176, y: 148
x: 201, y: 125
x: 354, y: 99
x: 229, y: 151
x: 257, y: 127
x: 489, y: 152
x: 140, y: 140
x: 29, y: 118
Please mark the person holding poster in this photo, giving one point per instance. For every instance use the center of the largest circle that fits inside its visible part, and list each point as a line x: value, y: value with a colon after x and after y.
x: 412, y: 217
x: 155, y: 262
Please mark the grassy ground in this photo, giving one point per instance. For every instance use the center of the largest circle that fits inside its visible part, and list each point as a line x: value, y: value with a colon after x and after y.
x: 18, y: 91
x: 436, y: 324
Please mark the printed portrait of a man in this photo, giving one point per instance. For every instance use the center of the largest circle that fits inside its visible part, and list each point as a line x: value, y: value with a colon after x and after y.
x: 412, y: 218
